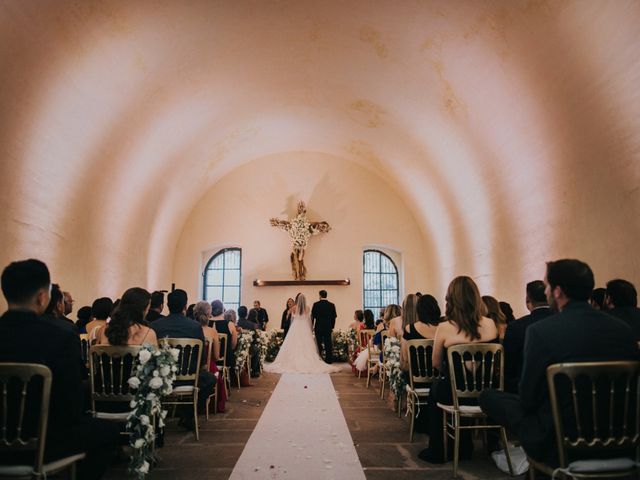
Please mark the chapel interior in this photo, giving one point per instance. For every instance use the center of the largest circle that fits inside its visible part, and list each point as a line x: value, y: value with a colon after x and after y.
x: 478, y: 138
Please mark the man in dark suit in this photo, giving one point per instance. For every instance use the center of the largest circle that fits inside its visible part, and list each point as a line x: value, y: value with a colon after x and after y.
x: 578, y: 333
x: 262, y: 315
x: 55, y: 311
x: 536, y: 301
x: 177, y: 325
x: 323, y: 315
x: 621, y: 301
x: 157, y: 304
x: 27, y: 338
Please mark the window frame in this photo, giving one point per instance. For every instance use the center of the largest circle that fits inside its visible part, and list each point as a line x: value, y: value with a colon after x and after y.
x: 379, y: 272
x: 205, y: 285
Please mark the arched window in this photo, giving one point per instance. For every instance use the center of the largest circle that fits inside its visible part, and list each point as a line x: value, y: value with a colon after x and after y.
x: 380, y: 282
x: 222, y: 278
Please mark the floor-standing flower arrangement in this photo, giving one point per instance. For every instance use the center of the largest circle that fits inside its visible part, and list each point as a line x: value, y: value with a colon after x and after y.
x: 242, y: 350
x: 261, y: 342
x: 343, y: 342
x: 276, y: 337
x: 397, y: 380
x: 153, y: 377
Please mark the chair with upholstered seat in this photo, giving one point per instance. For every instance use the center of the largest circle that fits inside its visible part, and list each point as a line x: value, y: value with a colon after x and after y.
x: 421, y: 375
x: 24, y: 414
x: 596, y: 414
x: 185, y: 390
x: 473, y: 367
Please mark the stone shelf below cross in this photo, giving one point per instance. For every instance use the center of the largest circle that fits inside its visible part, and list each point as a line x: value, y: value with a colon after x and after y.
x: 287, y: 283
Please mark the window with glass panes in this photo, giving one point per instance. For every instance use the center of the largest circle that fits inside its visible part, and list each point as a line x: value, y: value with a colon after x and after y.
x: 380, y: 282
x: 222, y: 278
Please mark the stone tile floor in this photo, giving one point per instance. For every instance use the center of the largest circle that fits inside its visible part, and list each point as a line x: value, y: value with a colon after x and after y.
x: 381, y: 438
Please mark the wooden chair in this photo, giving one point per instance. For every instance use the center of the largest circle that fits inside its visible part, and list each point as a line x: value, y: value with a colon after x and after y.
x: 84, y: 348
x: 24, y: 414
x: 421, y: 372
x: 188, y: 370
x: 372, y: 362
x: 222, y: 362
x: 383, y: 369
x: 473, y: 367
x: 214, y: 395
x: 363, y: 341
x: 596, y: 411
x: 109, y: 371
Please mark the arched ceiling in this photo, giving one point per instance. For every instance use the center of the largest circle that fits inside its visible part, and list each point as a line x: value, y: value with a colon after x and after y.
x: 509, y: 128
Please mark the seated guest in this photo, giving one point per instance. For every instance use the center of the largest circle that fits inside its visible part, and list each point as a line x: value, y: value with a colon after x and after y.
x: 127, y: 326
x: 621, y: 301
x: 495, y: 313
x: 597, y: 298
x: 369, y: 323
x: 508, y: 312
x: 407, y: 317
x: 202, y: 314
x: 26, y: 338
x: 224, y: 326
x: 177, y: 325
x: 84, y: 317
x: 536, y: 301
x: 578, y: 333
x: 68, y: 304
x: 247, y: 323
x: 358, y: 321
x: 189, y: 313
x: 100, y: 311
x: 465, y: 323
x: 157, y: 304
x: 425, y: 326
x: 288, y: 312
x: 55, y: 311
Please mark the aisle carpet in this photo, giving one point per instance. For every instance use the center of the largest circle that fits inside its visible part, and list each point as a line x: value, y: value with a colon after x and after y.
x: 302, y: 433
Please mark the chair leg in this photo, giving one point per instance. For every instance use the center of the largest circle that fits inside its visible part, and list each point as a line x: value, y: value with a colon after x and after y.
x: 532, y: 472
x: 382, y: 389
x: 195, y: 414
x: 72, y: 471
x: 445, y: 434
x: 503, y: 435
x: 411, y: 407
x: 456, y: 444
x: 368, y: 376
x: 206, y: 408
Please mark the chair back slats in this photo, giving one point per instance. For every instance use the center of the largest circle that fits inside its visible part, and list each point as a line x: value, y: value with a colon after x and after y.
x: 26, y: 390
x: 110, y: 368
x: 84, y: 347
x: 222, y: 337
x: 364, y: 336
x: 420, y: 363
x: 188, y: 363
x: 591, y: 404
x: 474, y: 367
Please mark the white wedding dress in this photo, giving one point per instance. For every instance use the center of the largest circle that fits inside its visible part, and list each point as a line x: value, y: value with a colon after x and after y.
x: 299, y: 352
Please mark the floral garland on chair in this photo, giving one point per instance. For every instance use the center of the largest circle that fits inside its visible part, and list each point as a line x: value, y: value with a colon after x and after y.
x: 274, y: 342
x: 242, y: 349
x: 153, y: 377
x: 397, y: 380
x: 261, y: 342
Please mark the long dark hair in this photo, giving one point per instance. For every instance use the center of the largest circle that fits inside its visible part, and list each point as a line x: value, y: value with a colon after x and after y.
x: 369, y: 321
x: 464, y: 306
x: 130, y: 311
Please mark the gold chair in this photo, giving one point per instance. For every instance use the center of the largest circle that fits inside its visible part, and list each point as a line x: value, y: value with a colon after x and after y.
x: 188, y: 370
x: 383, y: 369
x: 596, y: 410
x: 363, y: 341
x: 421, y: 372
x: 110, y: 368
x: 473, y: 367
x: 84, y: 348
x: 214, y: 395
x: 222, y: 362
x: 23, y: 421
x: 372, y: 362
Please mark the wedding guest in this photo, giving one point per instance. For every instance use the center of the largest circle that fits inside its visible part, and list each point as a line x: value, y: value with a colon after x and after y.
x: 358, y: 321
x: 263, y: 316
x: 230, y: 316
x: 578, y: 333
x: 495, y: 313
x: 408, y: 316
x: 126, y: 326
x: 157, y: 305
x: 536, y: 302
x: 289, y: 308
x: 84, y: 317
x: 202, y: 315
x: 100, y: 311
x: 25, y: 338
x: 506, y: 309
x: 466, y: 323
x: 224, y: 326
x: 68, y: 303
x: 368, y: 320
x: 425, y: 326
x: 247, y: 323
x: 189, y: 313
x: 621, y: 301
x: 55, y: 311
x: 596, y: 300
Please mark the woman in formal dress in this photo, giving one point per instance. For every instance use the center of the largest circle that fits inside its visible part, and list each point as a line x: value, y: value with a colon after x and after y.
x: 202, y: 314
x: 299, y: 352
x: 127, y: 321
x: 289, y: 309
x: 408, y: 316
x: 358, y: 321
x: 494, y: 312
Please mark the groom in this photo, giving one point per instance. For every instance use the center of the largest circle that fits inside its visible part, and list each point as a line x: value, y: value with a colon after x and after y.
x: 323, y: 315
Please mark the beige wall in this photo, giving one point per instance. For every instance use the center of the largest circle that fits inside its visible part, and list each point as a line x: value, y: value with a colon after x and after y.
x: 361, y: 208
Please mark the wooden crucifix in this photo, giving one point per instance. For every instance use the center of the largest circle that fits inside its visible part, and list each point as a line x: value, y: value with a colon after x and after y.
x: 300, y: 230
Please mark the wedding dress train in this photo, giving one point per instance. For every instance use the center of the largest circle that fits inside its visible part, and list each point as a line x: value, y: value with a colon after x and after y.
x: 299, y: 352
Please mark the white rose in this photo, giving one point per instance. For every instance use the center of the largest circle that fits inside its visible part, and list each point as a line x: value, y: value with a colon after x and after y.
x: 175, y: 353
x: 132, y: 404
x: 144, y: 420
x: 156, y: 373
x: 157, y: 353
x: 139, y: 443
x: 151, y: 396
x: 156, y: 382
x: 165, y: 370
x: 144, y: 468
x: 134, y: 382
x: 144, y: 357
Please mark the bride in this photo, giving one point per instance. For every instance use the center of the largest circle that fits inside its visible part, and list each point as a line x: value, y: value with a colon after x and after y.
x: 299, y: 353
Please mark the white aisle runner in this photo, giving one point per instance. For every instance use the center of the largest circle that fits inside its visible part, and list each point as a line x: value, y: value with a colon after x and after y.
x: 302, y: 434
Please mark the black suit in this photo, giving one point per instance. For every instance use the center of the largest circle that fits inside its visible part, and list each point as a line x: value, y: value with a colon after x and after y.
x: 577, y: 334
x: 324, y: 316
x: 631, y: 316
x: 262, y: 317
x: 153, y: 315
x: 514, y: 346
x: 26, y: 338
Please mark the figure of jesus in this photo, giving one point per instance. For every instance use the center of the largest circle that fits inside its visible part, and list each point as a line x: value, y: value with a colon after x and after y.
x: 300, y: 230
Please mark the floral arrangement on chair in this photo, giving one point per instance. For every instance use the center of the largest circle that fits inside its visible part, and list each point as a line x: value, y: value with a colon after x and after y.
x: 397, y: 380
x: 242, y: 350
x: 154, y: 374
x: 343, y: 344
x: 274, y: 342
x: 261, y: 342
